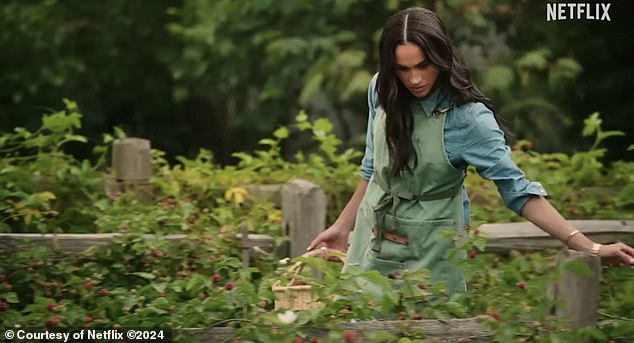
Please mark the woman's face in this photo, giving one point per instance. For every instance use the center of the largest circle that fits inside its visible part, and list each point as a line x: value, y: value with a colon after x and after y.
x: 416, y: 73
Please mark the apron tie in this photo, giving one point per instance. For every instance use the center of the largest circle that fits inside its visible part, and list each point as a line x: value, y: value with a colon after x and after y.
x: 393, y: 200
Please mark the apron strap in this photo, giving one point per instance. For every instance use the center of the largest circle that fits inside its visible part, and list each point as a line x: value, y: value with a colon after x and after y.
x: 393, y: 200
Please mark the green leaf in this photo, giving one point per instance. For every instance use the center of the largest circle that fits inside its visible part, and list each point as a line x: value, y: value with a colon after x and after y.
x: 350, y: 59
x: 60, y: 122
x: 144, y: 275
x: 578, y: 267
x: 301, y: 116
x: 536, y: 59
x: 281, y: 133
x: 267, y: 141
x: 383, y: 336
x: 591, y: 124
x: 605, y: 134
x: 323, y: 125
x: 71, y: 106
x: 159, y: 287
x: 75, y: 138
x: 498, y: 78
x: 11, y: 297
x: 44, y: 196
x: 455, y: 309
x: 311, y: 86
x: 357, y: 85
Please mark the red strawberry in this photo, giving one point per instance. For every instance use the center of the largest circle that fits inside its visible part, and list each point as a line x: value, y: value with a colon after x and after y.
x: 521, y: 284
x: 88, y: 285
x: 349, y: 336
x: 229, y: 285
x: 215, y: 278
x: 3, y: 306
x: 103, y: 292
x: 51, y: 307
x: 3, y: 278
x: 87, y: 319
x: 472, y: 254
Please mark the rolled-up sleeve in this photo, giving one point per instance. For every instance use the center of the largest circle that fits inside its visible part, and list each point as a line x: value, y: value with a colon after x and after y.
x: 484, y: 148
x: 367, y: 163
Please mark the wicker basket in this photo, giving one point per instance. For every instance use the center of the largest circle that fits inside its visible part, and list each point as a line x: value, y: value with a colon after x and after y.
x: 296, y: 294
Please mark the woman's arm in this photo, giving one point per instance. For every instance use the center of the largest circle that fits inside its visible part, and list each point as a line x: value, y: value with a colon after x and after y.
x: 541, y: 213
x: 336, y: 236
x: 484, y: 147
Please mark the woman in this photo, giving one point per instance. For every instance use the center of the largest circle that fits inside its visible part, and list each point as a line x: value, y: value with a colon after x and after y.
x: 428, y: 121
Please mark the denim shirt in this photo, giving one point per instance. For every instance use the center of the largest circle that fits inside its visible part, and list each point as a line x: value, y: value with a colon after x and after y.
x: 471, y: 137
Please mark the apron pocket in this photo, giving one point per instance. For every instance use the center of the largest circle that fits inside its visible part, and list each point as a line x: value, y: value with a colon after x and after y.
x: 423, y: 239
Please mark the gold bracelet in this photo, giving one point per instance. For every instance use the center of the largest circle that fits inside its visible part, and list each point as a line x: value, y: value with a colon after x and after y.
x: 596, y: 248
x: 572, y: 234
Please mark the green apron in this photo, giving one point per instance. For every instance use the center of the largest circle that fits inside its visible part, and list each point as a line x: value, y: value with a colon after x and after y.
x: 400, y: 219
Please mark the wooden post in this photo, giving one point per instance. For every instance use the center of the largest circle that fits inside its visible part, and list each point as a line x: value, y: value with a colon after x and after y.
x: 131, y: 159
x: 132, y: 168
x: 303, y: 213
x: 578, y: 293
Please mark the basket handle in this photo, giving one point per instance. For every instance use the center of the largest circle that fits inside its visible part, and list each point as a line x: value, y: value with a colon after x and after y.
x: 323, y: 252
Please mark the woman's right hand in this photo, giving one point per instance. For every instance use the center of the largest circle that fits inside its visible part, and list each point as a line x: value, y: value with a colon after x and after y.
x: 335, y: 237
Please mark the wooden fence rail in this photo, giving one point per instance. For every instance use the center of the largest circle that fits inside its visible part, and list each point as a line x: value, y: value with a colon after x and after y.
x: 502, y: 237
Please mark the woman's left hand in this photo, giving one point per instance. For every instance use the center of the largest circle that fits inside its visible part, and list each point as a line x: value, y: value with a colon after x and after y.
x: 618, y: 254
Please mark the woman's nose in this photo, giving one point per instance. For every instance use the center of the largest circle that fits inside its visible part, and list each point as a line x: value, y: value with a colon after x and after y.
x: 415, y: 79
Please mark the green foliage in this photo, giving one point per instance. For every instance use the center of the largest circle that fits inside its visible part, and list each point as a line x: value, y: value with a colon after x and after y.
x: 144, y: 279
x: 43, y: 189
x: 221, y: 74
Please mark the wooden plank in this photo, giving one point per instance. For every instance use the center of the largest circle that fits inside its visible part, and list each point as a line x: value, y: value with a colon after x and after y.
x: 303, y: 213
x: 502, y: 237
x: 456, y: 330
x: 526, y: 236
x: 468, y: 330
x: 74, y: 243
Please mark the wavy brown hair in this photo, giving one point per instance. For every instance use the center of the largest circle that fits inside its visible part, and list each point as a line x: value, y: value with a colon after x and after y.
x: 425, y: 29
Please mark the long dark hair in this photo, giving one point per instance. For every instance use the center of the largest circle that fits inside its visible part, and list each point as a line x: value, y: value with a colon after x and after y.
x: 424, y: 28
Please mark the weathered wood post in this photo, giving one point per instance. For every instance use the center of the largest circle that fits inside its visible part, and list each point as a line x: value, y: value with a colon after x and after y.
x: 132, y: 168
x: 578, y: 293
x: 303, y: 213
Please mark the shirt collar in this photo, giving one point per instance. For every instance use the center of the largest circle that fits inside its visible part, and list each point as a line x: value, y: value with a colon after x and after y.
x: 430, y: 102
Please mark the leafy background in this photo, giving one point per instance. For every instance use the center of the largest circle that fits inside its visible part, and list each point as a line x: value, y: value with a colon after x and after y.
x: 222, y: 74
